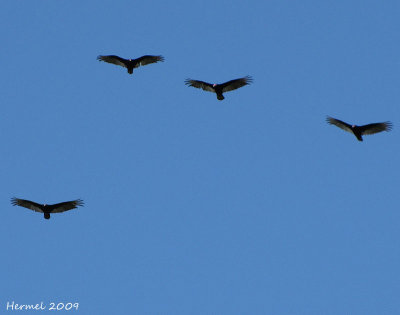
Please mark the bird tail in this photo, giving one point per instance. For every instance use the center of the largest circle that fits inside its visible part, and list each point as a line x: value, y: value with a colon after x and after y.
x: 130, y: 70
x: 359, y: 137
x: 47, y: 216
x: 220, y: 97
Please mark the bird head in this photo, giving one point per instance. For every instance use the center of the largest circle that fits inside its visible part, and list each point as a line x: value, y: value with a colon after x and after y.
x: 214, y: 85
x: 353, y: 126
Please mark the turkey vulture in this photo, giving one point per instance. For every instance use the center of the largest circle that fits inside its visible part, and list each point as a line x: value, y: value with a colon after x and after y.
x: 47, y: 209
x: 130, y: 63
x: 358, y: 131
x: 220, y: 88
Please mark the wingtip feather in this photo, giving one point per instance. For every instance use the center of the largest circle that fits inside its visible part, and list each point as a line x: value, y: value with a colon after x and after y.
x: 249, y: 79
x: 389, y: 125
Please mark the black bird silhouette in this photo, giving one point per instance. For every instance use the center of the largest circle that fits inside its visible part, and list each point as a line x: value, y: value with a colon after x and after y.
x: 131, y: 63
x: 359, y: 131
x: 220, y: 88
x: 47, y: 209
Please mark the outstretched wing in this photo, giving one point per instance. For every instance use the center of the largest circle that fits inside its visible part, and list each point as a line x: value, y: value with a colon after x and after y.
x: 376, y: 127
x: 65, y: 206
x: 235, y: 84
x: 114, y: 60
x: 27, y: 204
x: 338, y: 123
x: 145, y: 60
x: 200, y: 85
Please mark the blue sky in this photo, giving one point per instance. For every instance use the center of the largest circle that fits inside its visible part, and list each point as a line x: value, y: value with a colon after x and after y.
x: 251, y: 205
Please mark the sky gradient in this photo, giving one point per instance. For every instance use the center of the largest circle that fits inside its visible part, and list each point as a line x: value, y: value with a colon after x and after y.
x: 250, y: 205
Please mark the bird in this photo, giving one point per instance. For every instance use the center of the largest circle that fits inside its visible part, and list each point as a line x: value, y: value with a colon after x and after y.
x: 220, y: 88
x: 47, y: 209
x: 359, y: 131
x: 130, y: 63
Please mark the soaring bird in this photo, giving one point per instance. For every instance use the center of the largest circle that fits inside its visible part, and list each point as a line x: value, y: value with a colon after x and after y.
x: 47, y: 209
x: 131, y: 63
x: 359, y: 131
x: 220, y: 88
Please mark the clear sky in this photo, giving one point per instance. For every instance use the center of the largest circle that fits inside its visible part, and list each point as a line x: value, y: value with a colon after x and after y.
x: 250, y: 205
